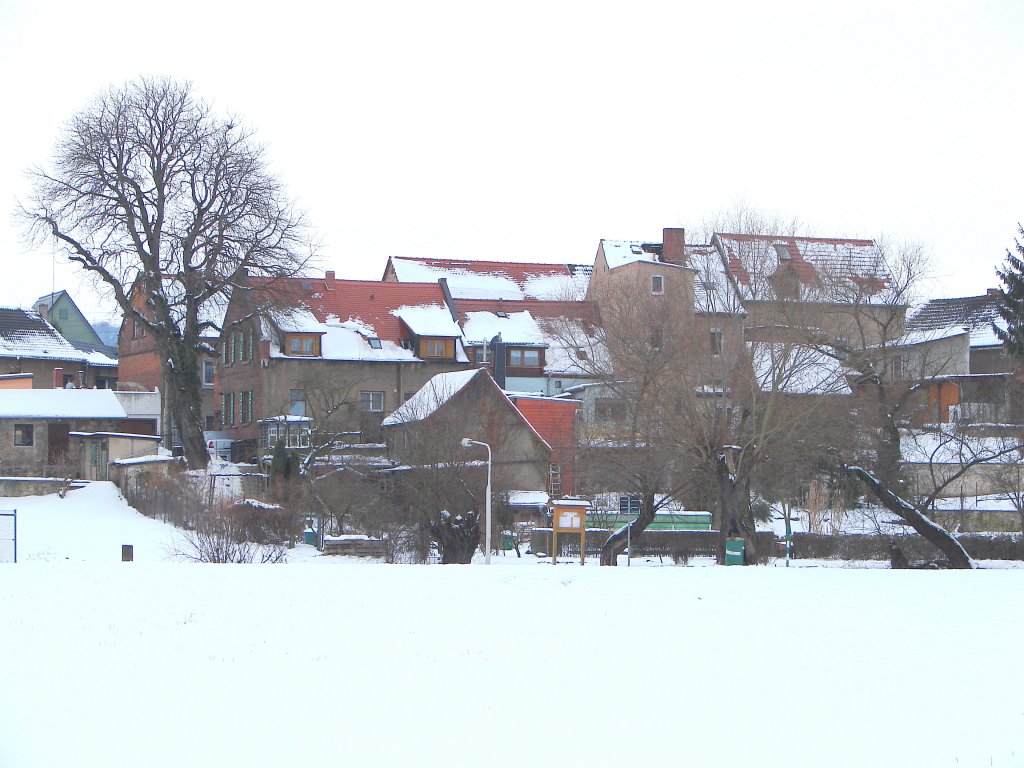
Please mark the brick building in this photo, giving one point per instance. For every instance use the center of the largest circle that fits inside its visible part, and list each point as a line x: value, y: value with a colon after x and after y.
x: 348, y: 350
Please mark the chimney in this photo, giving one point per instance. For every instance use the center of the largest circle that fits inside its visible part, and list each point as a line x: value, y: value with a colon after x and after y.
x: 992, y: 292
x: 673, y: 246
x: 58, y: 378
x: 329, y: 279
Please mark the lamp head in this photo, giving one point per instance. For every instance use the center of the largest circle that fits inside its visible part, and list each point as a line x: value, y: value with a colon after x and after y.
x: 466, y: 442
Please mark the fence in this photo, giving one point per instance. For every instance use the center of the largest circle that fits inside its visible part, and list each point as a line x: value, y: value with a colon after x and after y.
x: 9, y: 536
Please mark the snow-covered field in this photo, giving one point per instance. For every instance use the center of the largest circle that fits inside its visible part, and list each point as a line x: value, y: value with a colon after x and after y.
x: 164, y: 663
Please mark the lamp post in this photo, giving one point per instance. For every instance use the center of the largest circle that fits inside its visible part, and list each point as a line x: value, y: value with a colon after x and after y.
x: 466, y: 443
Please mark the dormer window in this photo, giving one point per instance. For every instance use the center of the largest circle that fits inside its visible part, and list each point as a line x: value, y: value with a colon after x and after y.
x: 436, y: 349
x: 524, y: 358
x: 374, y: 342
x: 303, y: 345
x: 657, y: 284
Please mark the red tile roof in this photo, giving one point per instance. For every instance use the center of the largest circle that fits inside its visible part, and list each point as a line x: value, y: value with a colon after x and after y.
x: 366, y: 300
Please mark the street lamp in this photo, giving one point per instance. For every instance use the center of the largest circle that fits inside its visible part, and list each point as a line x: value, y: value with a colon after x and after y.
x: 466, y: 443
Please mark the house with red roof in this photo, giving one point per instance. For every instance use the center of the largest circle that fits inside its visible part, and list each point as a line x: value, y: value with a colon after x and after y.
x: 538, y: 347
x: 835, y: 287
x: 353, y: 349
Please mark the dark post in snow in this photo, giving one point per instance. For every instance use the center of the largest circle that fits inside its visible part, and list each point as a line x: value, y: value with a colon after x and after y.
x: 127, y: 553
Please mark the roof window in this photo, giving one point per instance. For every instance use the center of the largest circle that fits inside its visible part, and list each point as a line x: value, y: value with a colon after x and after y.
x: 501, y: 313
x: 636, y: 249
x: 374, y: 342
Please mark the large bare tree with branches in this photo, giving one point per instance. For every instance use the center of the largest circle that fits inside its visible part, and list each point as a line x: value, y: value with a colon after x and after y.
x: 167, y: 206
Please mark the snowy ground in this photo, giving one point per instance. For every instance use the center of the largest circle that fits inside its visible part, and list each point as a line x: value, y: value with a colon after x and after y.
x: 164, y: 663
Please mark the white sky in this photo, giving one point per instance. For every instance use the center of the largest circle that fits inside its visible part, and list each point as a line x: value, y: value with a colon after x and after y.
x: 529, y: 131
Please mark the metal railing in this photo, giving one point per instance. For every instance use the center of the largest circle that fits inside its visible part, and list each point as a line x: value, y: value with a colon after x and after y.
x: 9, y: 536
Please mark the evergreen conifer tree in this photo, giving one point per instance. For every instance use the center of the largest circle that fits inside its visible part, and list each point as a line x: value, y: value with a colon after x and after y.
x: 1011, y: 301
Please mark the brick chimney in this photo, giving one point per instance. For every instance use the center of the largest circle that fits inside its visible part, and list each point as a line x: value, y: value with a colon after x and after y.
x: 58, y: 378
x: 673, y: 246
x: 329, y: 279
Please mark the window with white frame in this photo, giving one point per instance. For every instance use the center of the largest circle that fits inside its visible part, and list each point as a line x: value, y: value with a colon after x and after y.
x: 657, y: 284
x: 372, y: 401
x: 208, y: 373
x: 227, y: 409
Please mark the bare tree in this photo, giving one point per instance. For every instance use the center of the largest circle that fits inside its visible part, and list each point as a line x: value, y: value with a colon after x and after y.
x: 168, y: 207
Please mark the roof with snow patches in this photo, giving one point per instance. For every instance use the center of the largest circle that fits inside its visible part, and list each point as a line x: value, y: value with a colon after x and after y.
x: 476, y: 279
x: 974, y: 313
x: 826, y: 269
x: 24, y: 333
x: 363, y: 320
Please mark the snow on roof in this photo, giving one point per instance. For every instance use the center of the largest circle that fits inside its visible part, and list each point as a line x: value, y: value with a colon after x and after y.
x: 797, y: 370
x: 825, y: 268
x: 429, y: 320
x: 514, y: 328
x: 431, y: 396
x: 60, y: 404
x: 25, y: 333
x: 976, y: 313
x: 946, y: 445
x: 618, y: 253
x: 352, y: 315
x: 911, y: 338
x: 528, y: 498
x: 566, y: 328
x: 713, y: 291
x: 476, y: 279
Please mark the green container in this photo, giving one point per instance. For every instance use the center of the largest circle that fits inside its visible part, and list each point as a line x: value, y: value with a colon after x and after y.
x: 309, y: 537
x: 508, y: 541
x: 734, y: 549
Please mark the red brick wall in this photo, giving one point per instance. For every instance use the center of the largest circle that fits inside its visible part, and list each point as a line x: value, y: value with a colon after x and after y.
x: 555, y: 421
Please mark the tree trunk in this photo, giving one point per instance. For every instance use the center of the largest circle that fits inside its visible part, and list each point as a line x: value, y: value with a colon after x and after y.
x: 734, y: 502
x: 457, y: 537
x: 617, y: 542
x: 185, y: 402
x: 931, y: 531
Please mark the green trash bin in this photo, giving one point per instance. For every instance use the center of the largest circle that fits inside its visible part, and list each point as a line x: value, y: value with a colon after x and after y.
x: 309, y: 537
x: 734, y: 548
x: 508, y: 541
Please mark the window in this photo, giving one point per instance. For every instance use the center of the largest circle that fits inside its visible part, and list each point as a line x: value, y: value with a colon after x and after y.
x: 629, y: 504
x: 23, y: 434
x: 374, y: 342
x: 138, y: 329
x: 716, y: 342
x: 607, y: 411
x: 208, y: 373
x: 898, y: 368
x: 62, y: 314
x: 302, y: 346
x: 297, y: 402
x: 435, y: 348
x: 227, y: 409
x: 372, y: 401
x: 225, y: 351
x: 245, y: 407
x: 657, y: 284
x: 245, y: 345
x: 524, y: 358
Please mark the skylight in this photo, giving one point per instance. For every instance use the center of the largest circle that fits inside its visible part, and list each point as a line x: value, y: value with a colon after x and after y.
x: 501, y: 314
x: 374, y: 342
